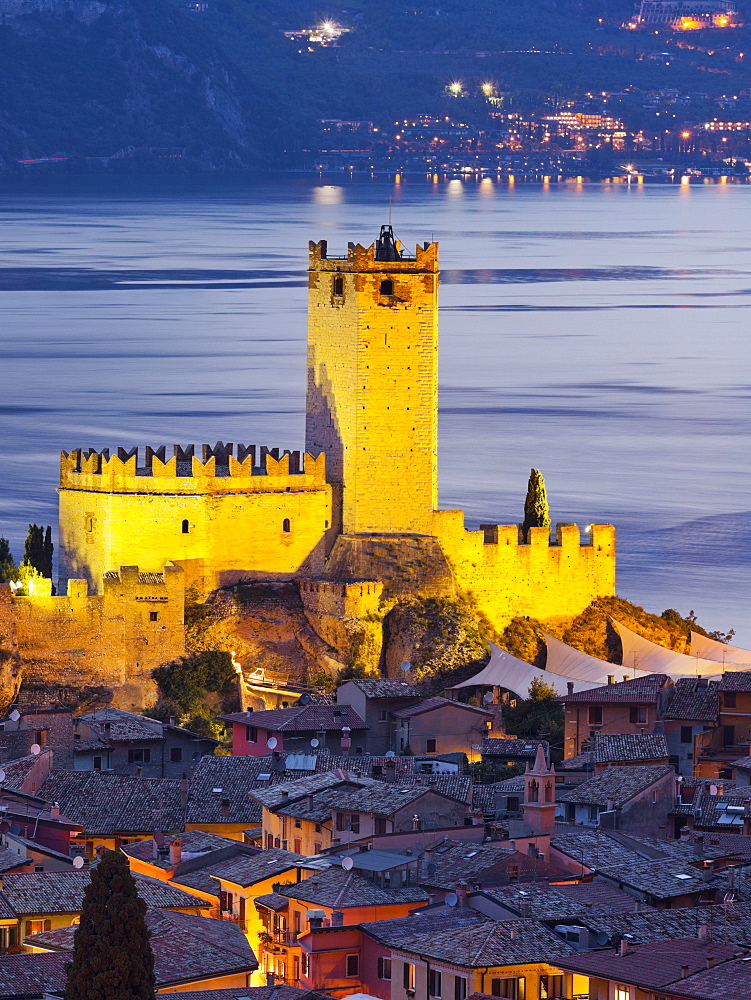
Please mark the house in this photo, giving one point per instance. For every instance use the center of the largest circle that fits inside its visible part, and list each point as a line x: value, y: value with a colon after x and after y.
x: 629, y: 706
x: 437, y: 725
x: 668, y: 969
x: 275, y: 992
x: 335, y: 897
x: 375, y: 699
x: 693, y: 708
x: 190, y: 952
x: 511, y: 750
x: 49, y: 728
x: 637, y: 799
x: 125, y: 743
x: 115, y: 809
x: 715, y: 750
x: 628, y: 749
x: 515, y: 959
x: 551, y: 903
x: 663, y: 883
x: 296, y: 730
x: 314, y: 813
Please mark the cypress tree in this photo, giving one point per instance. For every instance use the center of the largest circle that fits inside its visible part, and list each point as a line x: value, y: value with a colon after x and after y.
x: 536, y: 511
x: 7, y: 563
x: 33, y: 554
x: 112, y: 956
x: 48, y: 552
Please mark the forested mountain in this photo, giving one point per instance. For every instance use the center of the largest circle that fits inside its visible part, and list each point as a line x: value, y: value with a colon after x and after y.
x: 221, y: 82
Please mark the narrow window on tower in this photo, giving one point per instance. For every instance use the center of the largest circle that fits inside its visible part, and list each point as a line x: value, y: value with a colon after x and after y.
x: 387, y: 287
x: 286, y: 526
x: 338, y: 286
x: 186, y: 526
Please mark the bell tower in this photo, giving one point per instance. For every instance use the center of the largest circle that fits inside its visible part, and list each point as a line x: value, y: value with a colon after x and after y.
x: 539, y: 794
x: 373, y: 382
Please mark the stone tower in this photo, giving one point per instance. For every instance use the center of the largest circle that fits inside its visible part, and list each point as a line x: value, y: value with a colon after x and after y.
x: 539, y: 795
x: 372, y: 383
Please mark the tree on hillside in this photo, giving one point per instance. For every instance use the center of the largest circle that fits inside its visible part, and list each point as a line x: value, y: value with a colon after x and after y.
x: 112, y: 956
x: 539, y: 716
x: 38, y: 549
x: 536, y: 511
x: 7, y: 562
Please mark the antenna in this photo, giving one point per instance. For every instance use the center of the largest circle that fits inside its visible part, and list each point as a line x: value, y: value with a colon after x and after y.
x: 391, y: 200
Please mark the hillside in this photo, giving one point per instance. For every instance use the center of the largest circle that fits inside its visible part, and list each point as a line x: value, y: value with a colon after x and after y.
x: 216, y: 85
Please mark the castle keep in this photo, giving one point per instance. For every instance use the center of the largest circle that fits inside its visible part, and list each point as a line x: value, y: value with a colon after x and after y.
x: 354, y: 518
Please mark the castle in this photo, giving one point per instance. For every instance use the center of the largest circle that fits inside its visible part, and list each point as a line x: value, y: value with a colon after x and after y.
x: 354, y: 518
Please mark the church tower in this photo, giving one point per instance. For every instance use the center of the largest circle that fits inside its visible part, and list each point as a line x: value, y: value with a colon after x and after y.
x: 539, y: 795
x: 373, y: 382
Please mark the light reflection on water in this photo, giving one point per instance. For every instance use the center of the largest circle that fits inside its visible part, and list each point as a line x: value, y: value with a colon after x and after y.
x: 598, y: 333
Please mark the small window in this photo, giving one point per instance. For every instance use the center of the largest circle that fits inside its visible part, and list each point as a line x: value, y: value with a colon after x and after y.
x: 622, y: 993
x: 594, y: 812
x: 353, y: 966
x: 387, y: 287
x: 687, y: 734
x: 595, y: 715
x: 186, y: 527
x: 383, y: 715
x: 338, y: 286
x: 550, y: 987
x: 316, y: 847
x: 728, y: 698
x: 318, y: 828
x: 637, y: 714
x: 153, y: 616
x: 408, y: 977
x: 654, y: 796
x: 38, y: 868
x: 297, y: 845
x: 97, y: 764
x: 380, y: 826
x: 139, y: 756
x: 430, y: 746
x: 89, y: 523
x: 354, y: 823
x: 384, y: 968
x: 340, y: 822
x: 286, y: 525
x: 176, y: 754
x: 251, y: 734
x: 460, y: 988
x: 434, y: 983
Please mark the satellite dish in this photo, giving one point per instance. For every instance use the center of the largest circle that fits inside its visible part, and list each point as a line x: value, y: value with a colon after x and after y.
x: 713, y: 789
x: 78, y: 862
x: 36, y: 749
x: 347, y: 864
x: 271, y: 742
x: 602, y: 938
x: 406, y: 665
x: 452, y: 899
x: 488, y: 697
x: 304, y: 699
x: 314, y: 743
x: 390, y: 753
x: 2, y: 776
x: 15, y: 715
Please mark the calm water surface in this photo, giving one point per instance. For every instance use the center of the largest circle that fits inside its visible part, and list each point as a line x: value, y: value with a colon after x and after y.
x: 598, y: 333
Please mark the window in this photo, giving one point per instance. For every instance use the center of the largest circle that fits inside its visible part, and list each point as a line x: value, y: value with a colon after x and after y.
x: 97, y: 765
x: 384, y: 968
x: 298, y: 824
x: 153, y: 616
x: 251, y: 734
x: 687, y: 734
x: 728, y: 699
x: 654, y: 796
x: 354, y: 823
x: 338, y: 286
x: 38, y: 868
x: 139, y: 756
x: 380, y: 825
x: 318, y: 828
x: 510, y: 989
x: 408, y: 977
x: 637, y: 713
x: 316, y: 847
x: 622, y: 993
x: 286, y: 526
x: 595, y: 715
x: 550, y: 987
x: 430, y: 746
x: 383, y: 715
x: 186, y: 527
x: 89, y: 521
x: 339, y: 822
x: 434, y: 983
x: 460, y: 988
x: 513, y: 871
x: 353, y: 966
x: 297, y: 845
x: 304, y: 959
x: 176, y: 754
x: 37, y: 926
x: 594, y: 812
x: 728, y: 736
x: 387, y: 287
x: 40, y: 736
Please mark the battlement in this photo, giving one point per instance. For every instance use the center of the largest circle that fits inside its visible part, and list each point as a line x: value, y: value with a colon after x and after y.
x: 222, y: 468
x: 360, y: 258
x: 568, y: 536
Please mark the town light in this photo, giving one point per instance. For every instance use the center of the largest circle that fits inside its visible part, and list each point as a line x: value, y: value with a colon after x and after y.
x: 488, y: 89
x: 455, y: 88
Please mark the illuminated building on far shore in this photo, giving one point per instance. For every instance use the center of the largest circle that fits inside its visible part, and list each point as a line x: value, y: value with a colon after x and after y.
x: 685, y: 15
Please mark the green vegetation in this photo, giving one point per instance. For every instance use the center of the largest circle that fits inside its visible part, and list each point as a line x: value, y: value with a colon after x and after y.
x: 442, y: 633
x: 186, y: 687
x: 488, y: 772
x: 8, y: 567
x: 112, y: 956
x: 38, y: 550
x: 537, y: 717
x: 536, y: 510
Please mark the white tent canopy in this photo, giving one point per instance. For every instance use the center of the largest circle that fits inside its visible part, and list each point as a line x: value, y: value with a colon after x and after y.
x: 711, y: 649
x: 572, y: 663
x: 645, y: 655
x: 507, y: 671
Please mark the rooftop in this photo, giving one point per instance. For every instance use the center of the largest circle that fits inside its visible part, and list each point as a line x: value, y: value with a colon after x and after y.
x: 637, y: 690
x: 384, y: 687
x: 494, y: 943
x: 301, y: 718
x: 736, y: 681
x: 431, y: 704
x: 619, y: 784
x: 249, y: 870
x: 693, y: 700
x: 663, y: 878
x: 607, y: 747
x: 512, y: 747
x: 339, y: 889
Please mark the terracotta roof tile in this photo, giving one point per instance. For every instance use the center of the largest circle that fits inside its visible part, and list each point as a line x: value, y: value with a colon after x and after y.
x: 385, y: 687
x: 342, y: 889
x: 613, y: 747
x: 494, y: 942
x: 617, y: 783
x: 301, y: 718
x: 431, y: 704
x: 62, y: 892
x: 638, y: 690
x: 692, y: 701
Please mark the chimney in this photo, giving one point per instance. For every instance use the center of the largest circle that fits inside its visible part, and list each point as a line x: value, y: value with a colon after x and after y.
x: 415, y: 822
x: 172, y: 721
x: 570, y: 686
x: 524, y: 909
x: 461, y: 894
x: 684, y: 972
x: 270, y: 979
x: 285, y: 794
x: 611, y: 678
x: 699, y: 848
x: 389, y: 770
x: 623, y: 947
x: 346, y: 741
x: 184, y: 791
x: 55, y: 810
x: 703, y: 935
x: 175, y: 851
x: 337, y: 918
x: 610, y: 804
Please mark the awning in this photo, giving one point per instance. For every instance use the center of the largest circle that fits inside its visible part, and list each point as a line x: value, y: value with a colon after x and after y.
x: 572, y: 663
x: 649, y: 656
x: 507, y: 671
x: 711, y: 649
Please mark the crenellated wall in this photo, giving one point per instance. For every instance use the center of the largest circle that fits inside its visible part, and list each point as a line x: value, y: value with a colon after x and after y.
x: 114, y: 639
x: 221, y: 518
x: 539, y: 578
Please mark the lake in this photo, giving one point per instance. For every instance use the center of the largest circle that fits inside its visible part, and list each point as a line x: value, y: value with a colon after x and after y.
x: 596, y: 332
